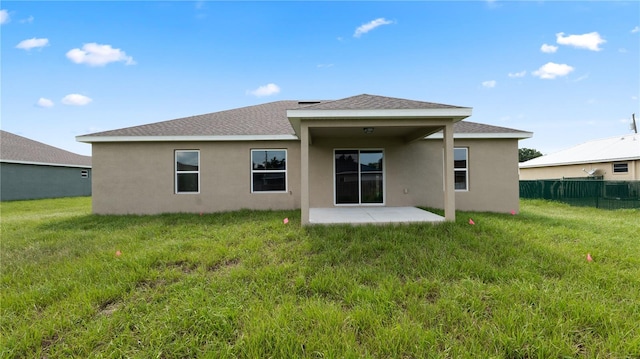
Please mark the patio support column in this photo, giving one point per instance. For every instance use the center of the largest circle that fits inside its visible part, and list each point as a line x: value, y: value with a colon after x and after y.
x: 449, y: 182
x: 304, y: 173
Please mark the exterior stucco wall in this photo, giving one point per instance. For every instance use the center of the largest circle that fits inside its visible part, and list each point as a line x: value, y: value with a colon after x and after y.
x: 414, y: 172
x: 27, y: 181
x: 493, y: 176
x: 139, y: 178
x: 401, y: 170
x: 604, y: 168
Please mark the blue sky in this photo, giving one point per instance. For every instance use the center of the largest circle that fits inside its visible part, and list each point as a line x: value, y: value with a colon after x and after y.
x: 567, y: 71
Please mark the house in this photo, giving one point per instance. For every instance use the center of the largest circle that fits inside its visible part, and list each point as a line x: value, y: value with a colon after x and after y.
x: 32, y: 170
x: 613, y: 158
x: 363, y: 151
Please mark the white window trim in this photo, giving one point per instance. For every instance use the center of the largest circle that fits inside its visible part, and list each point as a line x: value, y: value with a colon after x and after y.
x: 384, y: 179
x: 285, y: 170
x: 175, y: 172
x: 466, y: 169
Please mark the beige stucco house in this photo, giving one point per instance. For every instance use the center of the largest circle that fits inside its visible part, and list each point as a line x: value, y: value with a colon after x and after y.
x: 363, y: 150
x: 614, y: 158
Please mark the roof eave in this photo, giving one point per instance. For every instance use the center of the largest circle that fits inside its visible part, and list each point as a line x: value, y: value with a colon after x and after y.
x: 45, y: 164
x: 488, y: 135
x: 455, y: 113
x: 597, y: 160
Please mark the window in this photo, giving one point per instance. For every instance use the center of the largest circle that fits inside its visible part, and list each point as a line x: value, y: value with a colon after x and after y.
x: 359, y: 176
x: 84, y: 173
x: 268, y: 171
x: 461, y: 169
x: 621, y: 167
x: 187, y: 171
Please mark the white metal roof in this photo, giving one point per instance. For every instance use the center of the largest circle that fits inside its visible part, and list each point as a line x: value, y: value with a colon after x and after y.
x: 618, y: 148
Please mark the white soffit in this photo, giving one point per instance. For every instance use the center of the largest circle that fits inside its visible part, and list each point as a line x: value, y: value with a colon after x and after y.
x: 517, y: 135
x: 43, y: 164
x: 457, y: 114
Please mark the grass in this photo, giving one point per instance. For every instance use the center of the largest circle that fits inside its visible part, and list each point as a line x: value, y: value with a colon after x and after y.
x: 246, y: 285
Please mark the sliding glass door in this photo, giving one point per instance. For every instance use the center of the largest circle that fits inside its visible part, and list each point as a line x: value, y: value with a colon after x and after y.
x: 359, y: 177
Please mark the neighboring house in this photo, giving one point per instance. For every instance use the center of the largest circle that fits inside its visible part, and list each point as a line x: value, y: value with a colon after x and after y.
x: 613, y: 158
x: 32, y: 170
x: 359, y: 151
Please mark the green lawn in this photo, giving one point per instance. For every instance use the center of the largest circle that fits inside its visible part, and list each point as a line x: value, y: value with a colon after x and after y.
x: 246, y: 285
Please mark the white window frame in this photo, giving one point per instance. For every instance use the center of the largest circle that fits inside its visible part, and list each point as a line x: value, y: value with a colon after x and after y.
x: 466, y: 169
x: 286, y: 166
x: 384, y: 179
x: 176, y: 172
x: 613, y: 168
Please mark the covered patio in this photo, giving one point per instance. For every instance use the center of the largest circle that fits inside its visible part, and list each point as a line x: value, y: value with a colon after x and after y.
x: 375, y: 119
x: 371, y: 215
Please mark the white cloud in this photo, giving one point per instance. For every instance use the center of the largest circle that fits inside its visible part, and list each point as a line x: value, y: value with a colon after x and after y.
x: 28, y: 20
x: 32, y: 43
x: 517, y: 74
x: 4, y: 17
x: 583, y: 77
x: 552, y: 70
x: 489, y: 84
x: 266, y: 90
x: 492, y: 3
x: 364, y: 28
x: 44, y: 102
x: 635, y: 29
x: 94, y: 54
x: 549, y: 49
x: 590, y: 41
x: 75, y: 99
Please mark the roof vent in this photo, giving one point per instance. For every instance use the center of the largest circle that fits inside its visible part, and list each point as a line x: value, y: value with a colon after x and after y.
x: 308, y: 102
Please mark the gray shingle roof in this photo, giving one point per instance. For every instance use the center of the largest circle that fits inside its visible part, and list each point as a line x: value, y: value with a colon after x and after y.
x: 14, y: 148
x: 474, y: 127
x: 271, y: 119
x: 265, y: 119
x: 372, y: 102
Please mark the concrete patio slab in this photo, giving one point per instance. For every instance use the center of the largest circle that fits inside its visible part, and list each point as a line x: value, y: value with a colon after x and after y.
x: 375, y: 215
